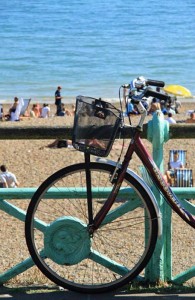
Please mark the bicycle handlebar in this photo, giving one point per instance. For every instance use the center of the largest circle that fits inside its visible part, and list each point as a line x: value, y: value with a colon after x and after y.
x: 145, y: 82
x: 155, y: 83
x: 148, y: 92
x: 151, y: 93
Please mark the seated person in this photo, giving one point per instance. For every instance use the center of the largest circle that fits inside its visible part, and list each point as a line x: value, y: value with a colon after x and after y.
x: 70, y: 113
x: 131, y: 109
x: 9, y: 177
x: 35, y: 111
x: 170, y: 119
x: 173, y: 165
x: 14, y: 111
x: 61, y: 111
x: 1, y: 112
x: 192, y: 118
x: 45, y: 111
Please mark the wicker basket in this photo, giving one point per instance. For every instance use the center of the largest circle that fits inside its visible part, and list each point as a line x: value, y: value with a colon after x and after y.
x: 95, y: 126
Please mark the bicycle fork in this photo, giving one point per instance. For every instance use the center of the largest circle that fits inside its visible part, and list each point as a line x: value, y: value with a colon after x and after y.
x: 117, y: 177
x: 89, y: 191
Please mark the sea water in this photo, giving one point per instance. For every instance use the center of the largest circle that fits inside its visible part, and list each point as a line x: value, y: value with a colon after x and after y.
x: 93, y: 47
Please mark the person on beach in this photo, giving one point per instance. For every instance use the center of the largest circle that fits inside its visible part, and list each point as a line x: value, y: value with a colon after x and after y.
x: 59, y: 144
x: 177, y: 105
x: 170, y: 119
x: 45, y: 111
x: 173, y: 165
x: 1, y: 112
x: 131, y: 109
x: 14, y: 111
x: 155, y: 105
x: 58, y: 99
x: 192, y: 118
x: 69, y: 113
x: 35, y: 111
x: 61, y: 111
x: 9, y: 177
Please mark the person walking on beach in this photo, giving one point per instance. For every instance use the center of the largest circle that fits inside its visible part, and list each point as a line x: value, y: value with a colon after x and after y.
x: 9, y: 177
x: 58, y: 99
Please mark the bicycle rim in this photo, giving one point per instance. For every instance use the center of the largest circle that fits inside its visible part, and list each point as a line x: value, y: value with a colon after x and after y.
x: 57, y: 234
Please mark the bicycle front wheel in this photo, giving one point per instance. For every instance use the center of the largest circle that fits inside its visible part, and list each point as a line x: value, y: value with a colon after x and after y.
x: 59, y: 239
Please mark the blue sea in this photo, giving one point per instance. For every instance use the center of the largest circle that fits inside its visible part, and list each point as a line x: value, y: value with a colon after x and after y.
x: 93, y: 47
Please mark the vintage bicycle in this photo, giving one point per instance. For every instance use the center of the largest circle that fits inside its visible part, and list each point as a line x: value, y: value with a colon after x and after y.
x: 93, y: 226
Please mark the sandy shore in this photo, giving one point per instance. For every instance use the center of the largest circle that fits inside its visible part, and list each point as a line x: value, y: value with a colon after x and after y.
x: 32, y: 165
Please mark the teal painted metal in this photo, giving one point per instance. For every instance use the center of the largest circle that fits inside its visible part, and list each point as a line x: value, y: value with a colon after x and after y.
x: 56, y: 193
x: 16, y: 270
x: 67, y: 241
x: 157, y: 134
x: 108, y: 263
x: 27, y: 193
x: 184, y: 276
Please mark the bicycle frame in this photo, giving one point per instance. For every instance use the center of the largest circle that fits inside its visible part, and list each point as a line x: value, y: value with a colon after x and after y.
x: 136, y: 145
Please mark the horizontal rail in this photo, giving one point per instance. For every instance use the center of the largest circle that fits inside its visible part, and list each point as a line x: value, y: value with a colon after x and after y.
x: 71, y: 193
x: 12, y: 132
x: 58, y: 193
x: 27, y: 193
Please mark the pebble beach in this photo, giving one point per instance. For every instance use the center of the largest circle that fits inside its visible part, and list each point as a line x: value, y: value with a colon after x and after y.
x: 32, y: 162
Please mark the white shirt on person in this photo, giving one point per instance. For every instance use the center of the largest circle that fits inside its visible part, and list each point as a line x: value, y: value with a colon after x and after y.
x: 176, y: 164
x: 45, y: 112
x: 170, y: 120
x: 10, y: 179
x: 15, y: 116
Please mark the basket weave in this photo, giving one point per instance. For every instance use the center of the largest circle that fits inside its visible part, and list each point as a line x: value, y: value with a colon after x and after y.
x: 95, y: 127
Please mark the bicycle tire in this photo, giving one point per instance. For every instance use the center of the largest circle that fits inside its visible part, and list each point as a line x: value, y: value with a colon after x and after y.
x: 61, y: 246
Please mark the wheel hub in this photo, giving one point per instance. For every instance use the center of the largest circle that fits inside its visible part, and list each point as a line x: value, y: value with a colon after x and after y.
x: 67, y: 241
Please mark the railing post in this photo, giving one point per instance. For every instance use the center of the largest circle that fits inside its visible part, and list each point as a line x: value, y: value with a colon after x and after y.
x: 160, y: 266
